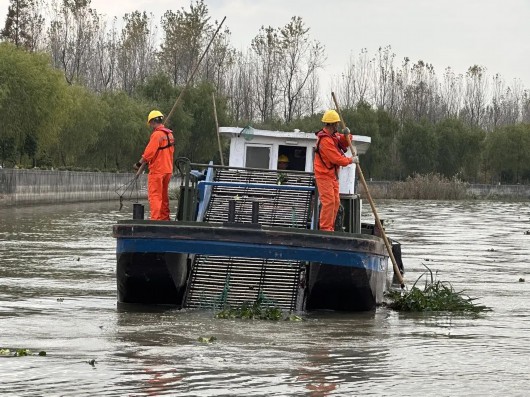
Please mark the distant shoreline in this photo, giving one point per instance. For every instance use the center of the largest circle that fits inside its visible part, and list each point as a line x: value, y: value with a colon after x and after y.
x: 29, y: 187
x: 465, y: 191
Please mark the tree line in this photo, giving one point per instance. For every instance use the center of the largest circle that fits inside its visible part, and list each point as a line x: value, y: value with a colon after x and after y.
x: 75, y: 89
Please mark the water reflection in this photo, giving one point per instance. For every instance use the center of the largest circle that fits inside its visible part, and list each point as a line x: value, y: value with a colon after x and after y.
x: 58, y: 294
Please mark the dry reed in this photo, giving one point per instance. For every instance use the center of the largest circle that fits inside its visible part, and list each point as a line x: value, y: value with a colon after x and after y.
x: 420, y: 187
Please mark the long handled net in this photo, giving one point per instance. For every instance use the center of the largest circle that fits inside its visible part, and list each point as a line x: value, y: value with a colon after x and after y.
x: 130, y: 191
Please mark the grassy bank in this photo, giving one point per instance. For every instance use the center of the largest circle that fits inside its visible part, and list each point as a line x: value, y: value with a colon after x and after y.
x: 420, y: 187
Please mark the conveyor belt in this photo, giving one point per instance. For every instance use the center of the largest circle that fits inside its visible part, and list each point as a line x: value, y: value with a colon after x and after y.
x: 217, y: 282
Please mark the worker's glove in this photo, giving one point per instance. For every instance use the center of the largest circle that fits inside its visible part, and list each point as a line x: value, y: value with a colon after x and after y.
x: 346, y: 131
x: 137, y: 166
x: 355, y: 160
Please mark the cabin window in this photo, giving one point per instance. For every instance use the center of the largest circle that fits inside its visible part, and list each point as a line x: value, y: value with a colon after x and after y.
x: 257, y: 156
x: 296, y: 155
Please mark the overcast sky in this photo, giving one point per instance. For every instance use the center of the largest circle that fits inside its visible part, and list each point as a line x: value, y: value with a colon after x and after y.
x: 456, y: 33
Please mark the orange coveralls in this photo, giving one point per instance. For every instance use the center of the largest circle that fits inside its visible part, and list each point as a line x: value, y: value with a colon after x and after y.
x: 159, y: 156
x: 329, y: 157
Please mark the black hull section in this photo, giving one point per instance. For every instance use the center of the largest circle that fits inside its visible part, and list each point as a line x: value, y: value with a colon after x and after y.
x: 151, y: 278
x: 347, y: 272
x: 340, y: 288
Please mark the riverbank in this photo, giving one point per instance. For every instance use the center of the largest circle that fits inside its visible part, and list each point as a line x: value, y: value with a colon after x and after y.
x: 28, y: 187
x: 451, y: 191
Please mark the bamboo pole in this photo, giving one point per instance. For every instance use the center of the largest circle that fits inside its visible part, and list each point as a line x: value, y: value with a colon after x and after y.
x: 190, y: 78
x: 372, y: 204
x: 217, y: 129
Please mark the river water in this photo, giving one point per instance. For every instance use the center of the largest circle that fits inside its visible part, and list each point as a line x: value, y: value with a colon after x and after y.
x: 58, y: 294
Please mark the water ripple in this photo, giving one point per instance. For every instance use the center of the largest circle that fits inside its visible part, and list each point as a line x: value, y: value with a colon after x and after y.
x: 58, y: 294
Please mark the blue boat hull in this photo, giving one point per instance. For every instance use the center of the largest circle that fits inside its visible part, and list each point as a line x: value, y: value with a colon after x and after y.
x: 344, y: 271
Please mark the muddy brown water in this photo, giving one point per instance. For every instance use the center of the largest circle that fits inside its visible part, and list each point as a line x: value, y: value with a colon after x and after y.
x: 58, y: 294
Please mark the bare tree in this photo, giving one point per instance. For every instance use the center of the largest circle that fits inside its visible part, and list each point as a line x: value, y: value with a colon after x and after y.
x: 383, y: 76
x: 265, y: 63
x: 15, y: 26
x: 475, y: 95
x: 451, y: 93
x: 136, y: 50
x: 312, y: 97
x: 103, y: 65
x: 185, y: 35
x: 218, y: 59
x: 240, y: 89
x: 420, y: 95
x: 354, y: 84
x: 525, y: 106
x: 513, y: 103
x: 301, y: 58
x: 24, y: 24
x: 70, y: 38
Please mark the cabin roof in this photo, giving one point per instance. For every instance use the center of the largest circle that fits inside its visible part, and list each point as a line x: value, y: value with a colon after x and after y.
x: 361, y: 142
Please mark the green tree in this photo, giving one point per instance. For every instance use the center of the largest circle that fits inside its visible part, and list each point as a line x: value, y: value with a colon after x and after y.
x: 7, y: 150
x: 418, y: 148
x: 451, y: 134
x: 159, y: 92
x: 473, y: 141
x: 507, y: 152
x: 387, y: 161
x: 120, y: 143
x: 202, y: 142
x: 30, y: 148
x: 193, y: 121
x: 85, y: 121
x: 33, y: 99
x: 459, y: 148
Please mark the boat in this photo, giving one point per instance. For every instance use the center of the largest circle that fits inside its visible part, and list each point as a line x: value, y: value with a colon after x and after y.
x: 248, y: 231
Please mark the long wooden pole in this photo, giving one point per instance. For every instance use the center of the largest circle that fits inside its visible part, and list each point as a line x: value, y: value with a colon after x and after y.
x: 217, y: 129
x: 372, y: 205
x: 190, y: 78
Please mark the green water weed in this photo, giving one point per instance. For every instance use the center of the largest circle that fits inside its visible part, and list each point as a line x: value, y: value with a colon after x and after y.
x: 261, y: 309
x: 436, y: 296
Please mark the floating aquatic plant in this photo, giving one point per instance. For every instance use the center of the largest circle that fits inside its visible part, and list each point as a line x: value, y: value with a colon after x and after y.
x: 261, y: 309
x: 206, y: 339
x: 435, y: 296
x: 251, y: 311
x: 20, y: 352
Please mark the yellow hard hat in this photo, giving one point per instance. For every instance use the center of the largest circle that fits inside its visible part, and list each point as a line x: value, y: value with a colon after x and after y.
x: 330, y: 117
x: 283, y: 159
x: 153, y: 114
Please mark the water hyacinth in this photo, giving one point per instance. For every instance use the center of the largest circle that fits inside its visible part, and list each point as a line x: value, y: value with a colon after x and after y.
x: 436, y: 296
x: 261, y: 309
x: 20, y: 352
x: 251, y: 311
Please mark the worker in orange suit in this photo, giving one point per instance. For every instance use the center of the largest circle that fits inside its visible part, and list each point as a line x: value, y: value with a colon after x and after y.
x: 158, y: 155
x: 329, y: 157
x: 283, y: 162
